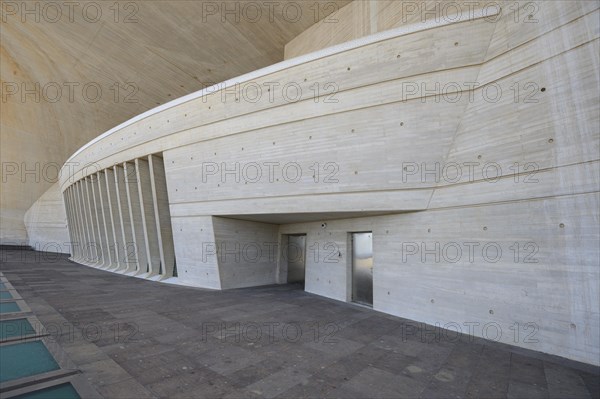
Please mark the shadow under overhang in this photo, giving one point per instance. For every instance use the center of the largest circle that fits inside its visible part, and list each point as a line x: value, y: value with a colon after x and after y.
x: 287, y: 218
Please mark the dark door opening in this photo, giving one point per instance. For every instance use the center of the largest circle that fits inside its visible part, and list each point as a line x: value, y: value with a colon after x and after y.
x: 296, y: 258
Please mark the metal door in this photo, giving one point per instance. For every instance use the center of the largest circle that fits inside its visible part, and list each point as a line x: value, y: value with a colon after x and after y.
x: 362, y: 268
x: 296, y: 258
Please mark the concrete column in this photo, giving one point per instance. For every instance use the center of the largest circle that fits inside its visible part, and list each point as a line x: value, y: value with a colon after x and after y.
x: 149, y: 227
x: 113, y: 210
x: 77, y: 216
x: 92, y: 222
x: 129, y: 258
x: 135, y: 215
x: 162, y: 215
x: 69, y: 222
x: 97, y: 215
x: 104, y: 213
x: 76, y: 223
x: 90, y: 256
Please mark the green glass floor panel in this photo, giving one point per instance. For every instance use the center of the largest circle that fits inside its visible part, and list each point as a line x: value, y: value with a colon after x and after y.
x: 5, y: 295
x: 9, y: 307
x: 25, y: 359
x: 15, y: 328
x: 2, y: 287
x: 62, y: 391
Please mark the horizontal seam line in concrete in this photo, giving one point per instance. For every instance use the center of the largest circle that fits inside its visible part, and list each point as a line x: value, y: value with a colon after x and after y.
x: 524, y: 173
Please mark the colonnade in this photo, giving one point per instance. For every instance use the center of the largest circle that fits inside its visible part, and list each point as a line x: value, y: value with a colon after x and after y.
x: 120, y: 219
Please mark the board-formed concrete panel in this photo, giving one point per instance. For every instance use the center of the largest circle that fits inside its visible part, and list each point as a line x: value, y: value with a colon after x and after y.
x: 246, y: 252
x: 162, y: 215
x: 46, y: 221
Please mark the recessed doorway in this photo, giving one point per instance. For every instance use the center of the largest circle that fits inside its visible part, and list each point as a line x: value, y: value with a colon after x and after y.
x: 296, y: 258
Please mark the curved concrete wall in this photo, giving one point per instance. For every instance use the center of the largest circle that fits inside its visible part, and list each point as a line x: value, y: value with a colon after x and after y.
x: 470, y: 148
x: 366, y: 17
x: 46, y: 223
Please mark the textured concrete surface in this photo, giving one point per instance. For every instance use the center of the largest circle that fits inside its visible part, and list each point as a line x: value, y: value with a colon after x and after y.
x: 135, y: 338
x: 413, y: 148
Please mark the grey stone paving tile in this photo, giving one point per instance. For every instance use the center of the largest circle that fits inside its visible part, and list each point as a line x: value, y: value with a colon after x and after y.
x: 195, y: 345
x: 84, y: 353
x: 242, y: 394
x: 368, y: 329
x: 491, y: 375
x: 400, y: 345
x: 449, y: 382
x: 310, y: 388
x: 253, y: 373
x: 103, y: 372
x: 399, y: 363
x: 592, y: 382
x: 527, y: 370
x: 125, y: 389
x: 191, y: 384
x: 278, y: 382
x: 154, y: 368
x: 293, y: 355
x: 344, y: 392
x: 229, y: 359
x: 338, y: 347
x: 522, y: 390
x: 346, y: 367
x: 376, y: 383
x: 130, y: 350
x: 565, y: 383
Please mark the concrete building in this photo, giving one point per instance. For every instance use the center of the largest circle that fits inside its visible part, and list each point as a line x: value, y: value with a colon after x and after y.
x: 436, y: 161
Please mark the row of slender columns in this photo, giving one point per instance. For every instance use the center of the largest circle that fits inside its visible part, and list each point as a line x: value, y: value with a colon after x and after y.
x: 119, y: 219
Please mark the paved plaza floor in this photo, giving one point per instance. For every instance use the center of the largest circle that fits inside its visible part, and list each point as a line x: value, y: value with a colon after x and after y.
x: 133, y: 338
